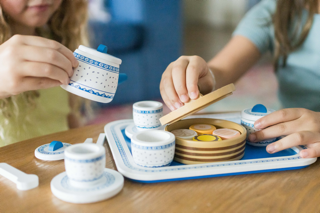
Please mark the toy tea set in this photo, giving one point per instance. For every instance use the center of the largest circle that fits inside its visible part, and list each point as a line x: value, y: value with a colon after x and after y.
x: 151, y: 147
x: 204, y: 147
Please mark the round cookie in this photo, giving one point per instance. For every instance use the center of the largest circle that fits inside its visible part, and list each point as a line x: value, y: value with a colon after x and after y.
x: 207, y: 138
x: 225, y: 133
x: 203, y: 128
x: 186, y: 134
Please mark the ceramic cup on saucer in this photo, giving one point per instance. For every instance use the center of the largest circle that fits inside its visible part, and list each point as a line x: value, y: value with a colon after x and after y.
x: 85, y: 164
x: 153, y: 148
x: 146, y: 115
x: 96, y: 77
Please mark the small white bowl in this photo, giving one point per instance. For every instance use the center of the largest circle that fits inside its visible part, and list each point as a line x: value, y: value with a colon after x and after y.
x: 153, y: 148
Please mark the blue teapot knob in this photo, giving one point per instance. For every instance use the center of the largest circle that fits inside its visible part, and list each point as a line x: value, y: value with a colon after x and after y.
x: 259, y: 108
x: 55, y: 145
x: 102, y: 48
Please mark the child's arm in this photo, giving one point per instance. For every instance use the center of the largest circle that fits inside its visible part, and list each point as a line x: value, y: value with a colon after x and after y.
x: 32, y: 63
x: 182, y: 77
x: 234, y: 60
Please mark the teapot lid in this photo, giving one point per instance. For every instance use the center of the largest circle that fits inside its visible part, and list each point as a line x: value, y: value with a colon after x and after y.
x: 198, y: 104
x: 256, y: 112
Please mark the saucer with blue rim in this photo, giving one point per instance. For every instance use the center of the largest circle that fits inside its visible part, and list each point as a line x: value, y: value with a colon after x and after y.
x: 55, y: 150
x: 52, y: 151
x: 111, y: 184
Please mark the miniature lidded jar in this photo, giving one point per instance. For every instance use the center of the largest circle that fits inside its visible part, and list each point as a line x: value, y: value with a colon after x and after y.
x: 249, y: 116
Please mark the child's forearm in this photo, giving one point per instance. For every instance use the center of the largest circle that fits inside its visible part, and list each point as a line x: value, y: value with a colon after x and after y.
x: 233, y: 60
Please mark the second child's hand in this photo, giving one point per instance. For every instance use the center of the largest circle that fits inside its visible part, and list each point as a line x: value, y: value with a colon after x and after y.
x: 301, y: 127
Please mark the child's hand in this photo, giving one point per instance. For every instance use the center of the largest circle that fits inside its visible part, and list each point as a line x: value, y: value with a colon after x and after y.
x: 32, y: 63
x: 180, y: 81
x: 301, y: 126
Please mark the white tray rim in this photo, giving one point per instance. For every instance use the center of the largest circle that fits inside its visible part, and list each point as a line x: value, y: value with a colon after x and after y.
x: 127, y: 167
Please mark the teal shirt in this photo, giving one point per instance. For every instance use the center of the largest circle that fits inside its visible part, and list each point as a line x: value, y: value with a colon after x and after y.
x: 299, y: 81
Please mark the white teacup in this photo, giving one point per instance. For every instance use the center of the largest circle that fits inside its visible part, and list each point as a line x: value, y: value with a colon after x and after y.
x: 146, y: 115
x: 96, y: 77
x: 85, y: 164
x: 153, y: 148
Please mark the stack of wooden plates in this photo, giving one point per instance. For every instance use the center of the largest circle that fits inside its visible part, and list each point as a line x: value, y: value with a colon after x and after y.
x: 197, y: 152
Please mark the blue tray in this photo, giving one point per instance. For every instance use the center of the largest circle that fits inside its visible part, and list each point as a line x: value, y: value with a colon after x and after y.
x: 255, y: 160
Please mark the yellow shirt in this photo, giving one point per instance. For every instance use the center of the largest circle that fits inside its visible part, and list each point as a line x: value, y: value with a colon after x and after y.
x: 49, y: 116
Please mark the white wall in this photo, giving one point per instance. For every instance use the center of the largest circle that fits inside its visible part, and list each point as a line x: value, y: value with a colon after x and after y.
x: 218, y: 13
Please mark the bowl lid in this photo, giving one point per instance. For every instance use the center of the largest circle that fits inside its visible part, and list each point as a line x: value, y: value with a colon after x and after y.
x: 100, y: 52
x: 198, y: 104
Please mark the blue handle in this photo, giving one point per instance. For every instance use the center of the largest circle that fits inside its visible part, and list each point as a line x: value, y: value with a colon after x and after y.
x: 122, y: 78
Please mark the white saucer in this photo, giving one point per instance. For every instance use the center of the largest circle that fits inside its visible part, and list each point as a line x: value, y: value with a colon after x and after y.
x: 132, y: 129
x: 112, y: 185
x: 43, y: 153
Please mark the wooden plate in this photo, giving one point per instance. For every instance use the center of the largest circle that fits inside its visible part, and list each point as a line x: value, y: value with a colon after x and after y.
x: 212, y: 156
x: 185, y: 160
x: 187, y: 151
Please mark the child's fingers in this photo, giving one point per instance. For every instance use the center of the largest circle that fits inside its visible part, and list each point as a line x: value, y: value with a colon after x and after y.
x: 31, y: 83
x: 280, y: 116
x: 286, y: 128
x: 311, y: 145
x: 312, y: 151
x: 167, y: 87
x: 167, y: 101
x: 179, y: 78
x: 47, y: 43
x: 295, y: 139
x: 37, y: 69
x: 193, y: 72
x: 50, y: 56
x: 172, y: 95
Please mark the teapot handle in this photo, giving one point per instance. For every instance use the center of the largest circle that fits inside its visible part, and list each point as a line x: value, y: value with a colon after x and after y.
x: 122, y: 78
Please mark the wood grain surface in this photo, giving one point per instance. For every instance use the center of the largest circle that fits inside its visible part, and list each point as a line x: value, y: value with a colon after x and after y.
x: 287, y: 191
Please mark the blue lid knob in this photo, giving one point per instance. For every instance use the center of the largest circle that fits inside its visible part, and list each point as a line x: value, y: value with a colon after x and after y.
x: 259, y: 108
x: 55, y: 145
x: 102, y: 48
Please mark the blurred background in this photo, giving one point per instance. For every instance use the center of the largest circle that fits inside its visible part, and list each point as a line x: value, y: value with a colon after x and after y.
x: 149, y: 34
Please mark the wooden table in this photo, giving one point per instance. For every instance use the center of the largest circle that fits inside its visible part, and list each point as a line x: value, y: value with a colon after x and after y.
x: 287, y: 191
